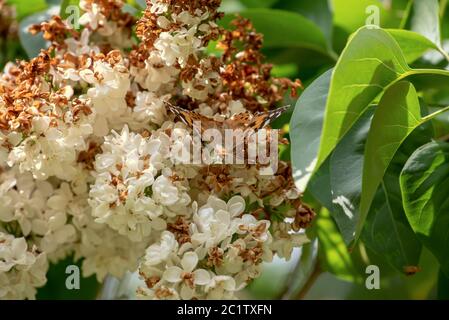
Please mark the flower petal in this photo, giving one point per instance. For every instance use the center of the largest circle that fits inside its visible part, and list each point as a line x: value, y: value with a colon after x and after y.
x: 172, y: 274
x: 189, y: 261
x: 186, y: 292
x: 201, y: 277
x: 236, y: 205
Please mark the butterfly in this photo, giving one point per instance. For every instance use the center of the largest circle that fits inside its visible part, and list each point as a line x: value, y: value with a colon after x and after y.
x: 243, y: 121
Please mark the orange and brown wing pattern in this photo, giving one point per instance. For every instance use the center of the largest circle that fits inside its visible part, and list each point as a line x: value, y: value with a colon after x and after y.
x: 242, y: 120
x: 190, y: 117
x: 239, y: 121
x: 261, y: 120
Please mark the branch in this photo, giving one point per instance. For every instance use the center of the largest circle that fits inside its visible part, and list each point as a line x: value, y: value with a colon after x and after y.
x: 310, y: 281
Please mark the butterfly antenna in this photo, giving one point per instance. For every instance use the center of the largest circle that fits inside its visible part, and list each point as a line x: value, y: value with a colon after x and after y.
x: 177, y: 112
x: 170, y: 106
x: 285, y: 108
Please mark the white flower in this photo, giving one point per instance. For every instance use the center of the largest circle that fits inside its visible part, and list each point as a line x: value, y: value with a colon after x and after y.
x: 21, y: 270
x: 164, y: 192
x: 221, y: 288
x: 13, y: 251
x: 106, y: 252
x: 52, y: 151
x: 94, y: 18
x: 149, y: 108
x: 156, y: 75
x: 187, y: 275
x: 127, y: 195
x: 158, y: 7
x: 179, y: 46
x: 111, y: 84
x: 81, y: 46
x: 214, y: 220
x: 157, y: 253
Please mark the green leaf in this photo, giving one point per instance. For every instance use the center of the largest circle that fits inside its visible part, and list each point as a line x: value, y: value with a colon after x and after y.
x: 387, y: 234
x: 258, y: 3
x: 319, y: 186
x: 346, y: 165
x: 387, y: 230
x: 305, y: 128
x: 276, y: 24
x: 350, y: 15
x: 413, y: 45
x: 443, y: 286
x: 333, y: 253
x: 318, y: 11
x: 64, y: 13
x: 398, y: 114
x: 426, y: 19
x: 24, y: 9
x: 424, y: 185
x: 379, y: 63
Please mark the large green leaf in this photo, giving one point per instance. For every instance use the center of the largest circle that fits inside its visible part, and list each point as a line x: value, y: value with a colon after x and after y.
x: 380, y: 64
x: 283, y: 29
x: 398, y: 114
x: 387, y: 231
x: 386, y: 234
x: 63, y: 12
x: 425, y: 185
x: 305, y: 128
x: 258, y: 3
x: 333, y: 253
x: 345, y: 169
x: 413, y: 45
x: 318, y: 11
x: 352, y: 14
x: 24, y: 9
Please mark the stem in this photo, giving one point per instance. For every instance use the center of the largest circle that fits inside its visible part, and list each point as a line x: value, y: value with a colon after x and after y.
x: 436, y: 113
x: 285, y: 293
x: 443, y: 53
x: 310, y: 282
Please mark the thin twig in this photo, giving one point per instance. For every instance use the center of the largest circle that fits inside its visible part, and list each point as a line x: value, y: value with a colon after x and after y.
x: 286, y: 290
x: 310, y: 281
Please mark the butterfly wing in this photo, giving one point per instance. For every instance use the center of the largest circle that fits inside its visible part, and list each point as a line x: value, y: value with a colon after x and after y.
x: 190, y: 117
x: 242, y: 120
x: 262, y: 119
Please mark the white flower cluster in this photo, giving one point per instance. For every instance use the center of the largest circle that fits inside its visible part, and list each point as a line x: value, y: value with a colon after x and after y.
x: 89, y: 162
x: 133, y: 193
x: 224, y: 252
x: 21, y: 269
